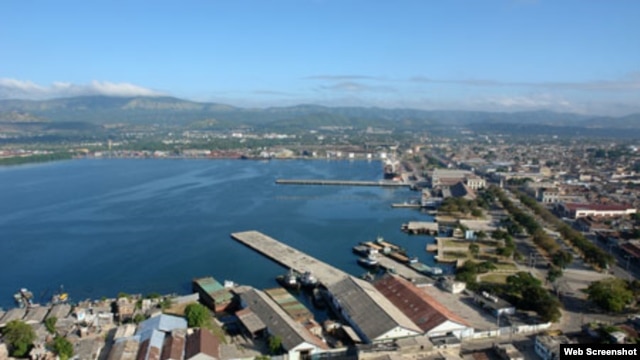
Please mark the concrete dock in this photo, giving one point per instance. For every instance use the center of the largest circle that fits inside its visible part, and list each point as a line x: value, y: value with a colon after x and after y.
x: 289, y: 257
x: 404, y: 271
x: 342, y: 182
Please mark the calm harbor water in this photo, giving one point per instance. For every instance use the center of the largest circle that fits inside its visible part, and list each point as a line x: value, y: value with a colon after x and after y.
x: 100, y: 227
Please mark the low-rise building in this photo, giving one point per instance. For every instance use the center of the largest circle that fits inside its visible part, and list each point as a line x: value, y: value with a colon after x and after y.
x: 368, y: 312
x: 495, y: 305
x: 548, y: 347
x: 202, y: 345
x: 296, y: 340
x: 577, y: 210
x: 213, y: 294
x: 433, y: 317
x: 451, y: 285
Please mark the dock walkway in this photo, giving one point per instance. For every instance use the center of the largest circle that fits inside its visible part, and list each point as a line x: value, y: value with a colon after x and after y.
x: 289, y: 257
x: 342, y: 182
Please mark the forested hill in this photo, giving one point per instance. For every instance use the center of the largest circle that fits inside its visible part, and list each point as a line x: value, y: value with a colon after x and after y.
x: 173, y: 111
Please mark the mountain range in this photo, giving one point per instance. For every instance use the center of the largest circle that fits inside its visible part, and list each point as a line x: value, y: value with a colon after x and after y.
x: 101, y: 110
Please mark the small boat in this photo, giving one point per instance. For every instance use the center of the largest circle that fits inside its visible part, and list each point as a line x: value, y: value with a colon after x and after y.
x: 308, y: 280
x: 60, y: 297
x: 23, y: 298
x: 413, y: 260
x: 369, y: 261
x: 318, y: 299
x: 361, y: 250
x: 289, y: 280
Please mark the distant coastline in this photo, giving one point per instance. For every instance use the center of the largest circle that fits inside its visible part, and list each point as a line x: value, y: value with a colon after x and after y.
x: 37, y: 158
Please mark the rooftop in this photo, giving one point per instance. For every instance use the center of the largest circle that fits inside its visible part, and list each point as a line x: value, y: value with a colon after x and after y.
x: 419, y: 306
x: 374, y: 314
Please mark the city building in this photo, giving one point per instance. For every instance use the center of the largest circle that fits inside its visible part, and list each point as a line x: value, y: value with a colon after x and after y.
x: 433, y: 317
x: 213, y: 294
x: 297, y: 341
x: 495, y: 305
x: 202, y: 345
x: 576, y: 210
x: 370, y: 314
x: 548, y: 347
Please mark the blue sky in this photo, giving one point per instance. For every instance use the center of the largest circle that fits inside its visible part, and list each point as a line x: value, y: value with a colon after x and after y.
x: 506, y: 55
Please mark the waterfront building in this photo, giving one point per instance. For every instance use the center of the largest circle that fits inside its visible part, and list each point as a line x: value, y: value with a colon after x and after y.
x: 213, y: 294
x: 297, y: 341
x: 433, y: 317
x: 372, y: 316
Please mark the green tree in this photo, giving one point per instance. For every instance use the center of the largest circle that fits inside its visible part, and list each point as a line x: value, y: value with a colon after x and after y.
x: 138, y: 318
x: 275, y: 345
x: 50, y: 324
x: 197, y: 315
x: 62, y: 347
x: 19, y: 337
x: 562, y: 259
x: 474, y: 249
x: 166, y: 303
x: 554, y: 274
x: 610, y: 294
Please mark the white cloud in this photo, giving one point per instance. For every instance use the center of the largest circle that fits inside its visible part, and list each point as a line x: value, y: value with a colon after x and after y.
x: 21, y: 89
x: 629, y: 82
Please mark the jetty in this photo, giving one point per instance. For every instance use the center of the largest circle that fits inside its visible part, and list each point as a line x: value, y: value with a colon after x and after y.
x: 383, y: 183
x: 420, y: 227
x: 289, y: 257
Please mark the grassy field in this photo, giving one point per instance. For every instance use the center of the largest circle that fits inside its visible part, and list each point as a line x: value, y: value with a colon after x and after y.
x: 497, y: 278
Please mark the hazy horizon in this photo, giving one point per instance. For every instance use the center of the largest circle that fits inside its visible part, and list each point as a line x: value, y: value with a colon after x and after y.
x: 497, y: 55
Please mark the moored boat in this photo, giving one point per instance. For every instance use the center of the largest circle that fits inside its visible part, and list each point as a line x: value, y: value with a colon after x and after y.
x: 369, y: 261
x: 308, y: 280
x: 23, y: 298
x: 289, y: 280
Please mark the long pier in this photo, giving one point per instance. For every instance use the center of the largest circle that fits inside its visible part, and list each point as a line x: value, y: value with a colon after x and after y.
x: 382, y: 183
x: 289, y: 257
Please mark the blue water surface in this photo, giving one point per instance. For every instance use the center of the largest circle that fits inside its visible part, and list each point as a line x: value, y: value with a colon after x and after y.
x: 100, y: 227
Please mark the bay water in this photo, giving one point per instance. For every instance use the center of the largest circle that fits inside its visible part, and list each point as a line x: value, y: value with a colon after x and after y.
x: 100, y: 227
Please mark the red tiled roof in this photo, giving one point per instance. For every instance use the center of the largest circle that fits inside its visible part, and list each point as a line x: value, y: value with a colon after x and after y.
x: 420, y: 307
x: 202, y: 341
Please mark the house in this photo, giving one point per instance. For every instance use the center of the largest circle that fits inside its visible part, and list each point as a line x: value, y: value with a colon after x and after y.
x: 432, y: 317
x: 296, y: 340
x: 125, y: 349
x: 213, y: 294
x: 370, y: 314
x: 174, y: 345
x: 152, y: 333
x: 202, y: 345
x: 125, y: 307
